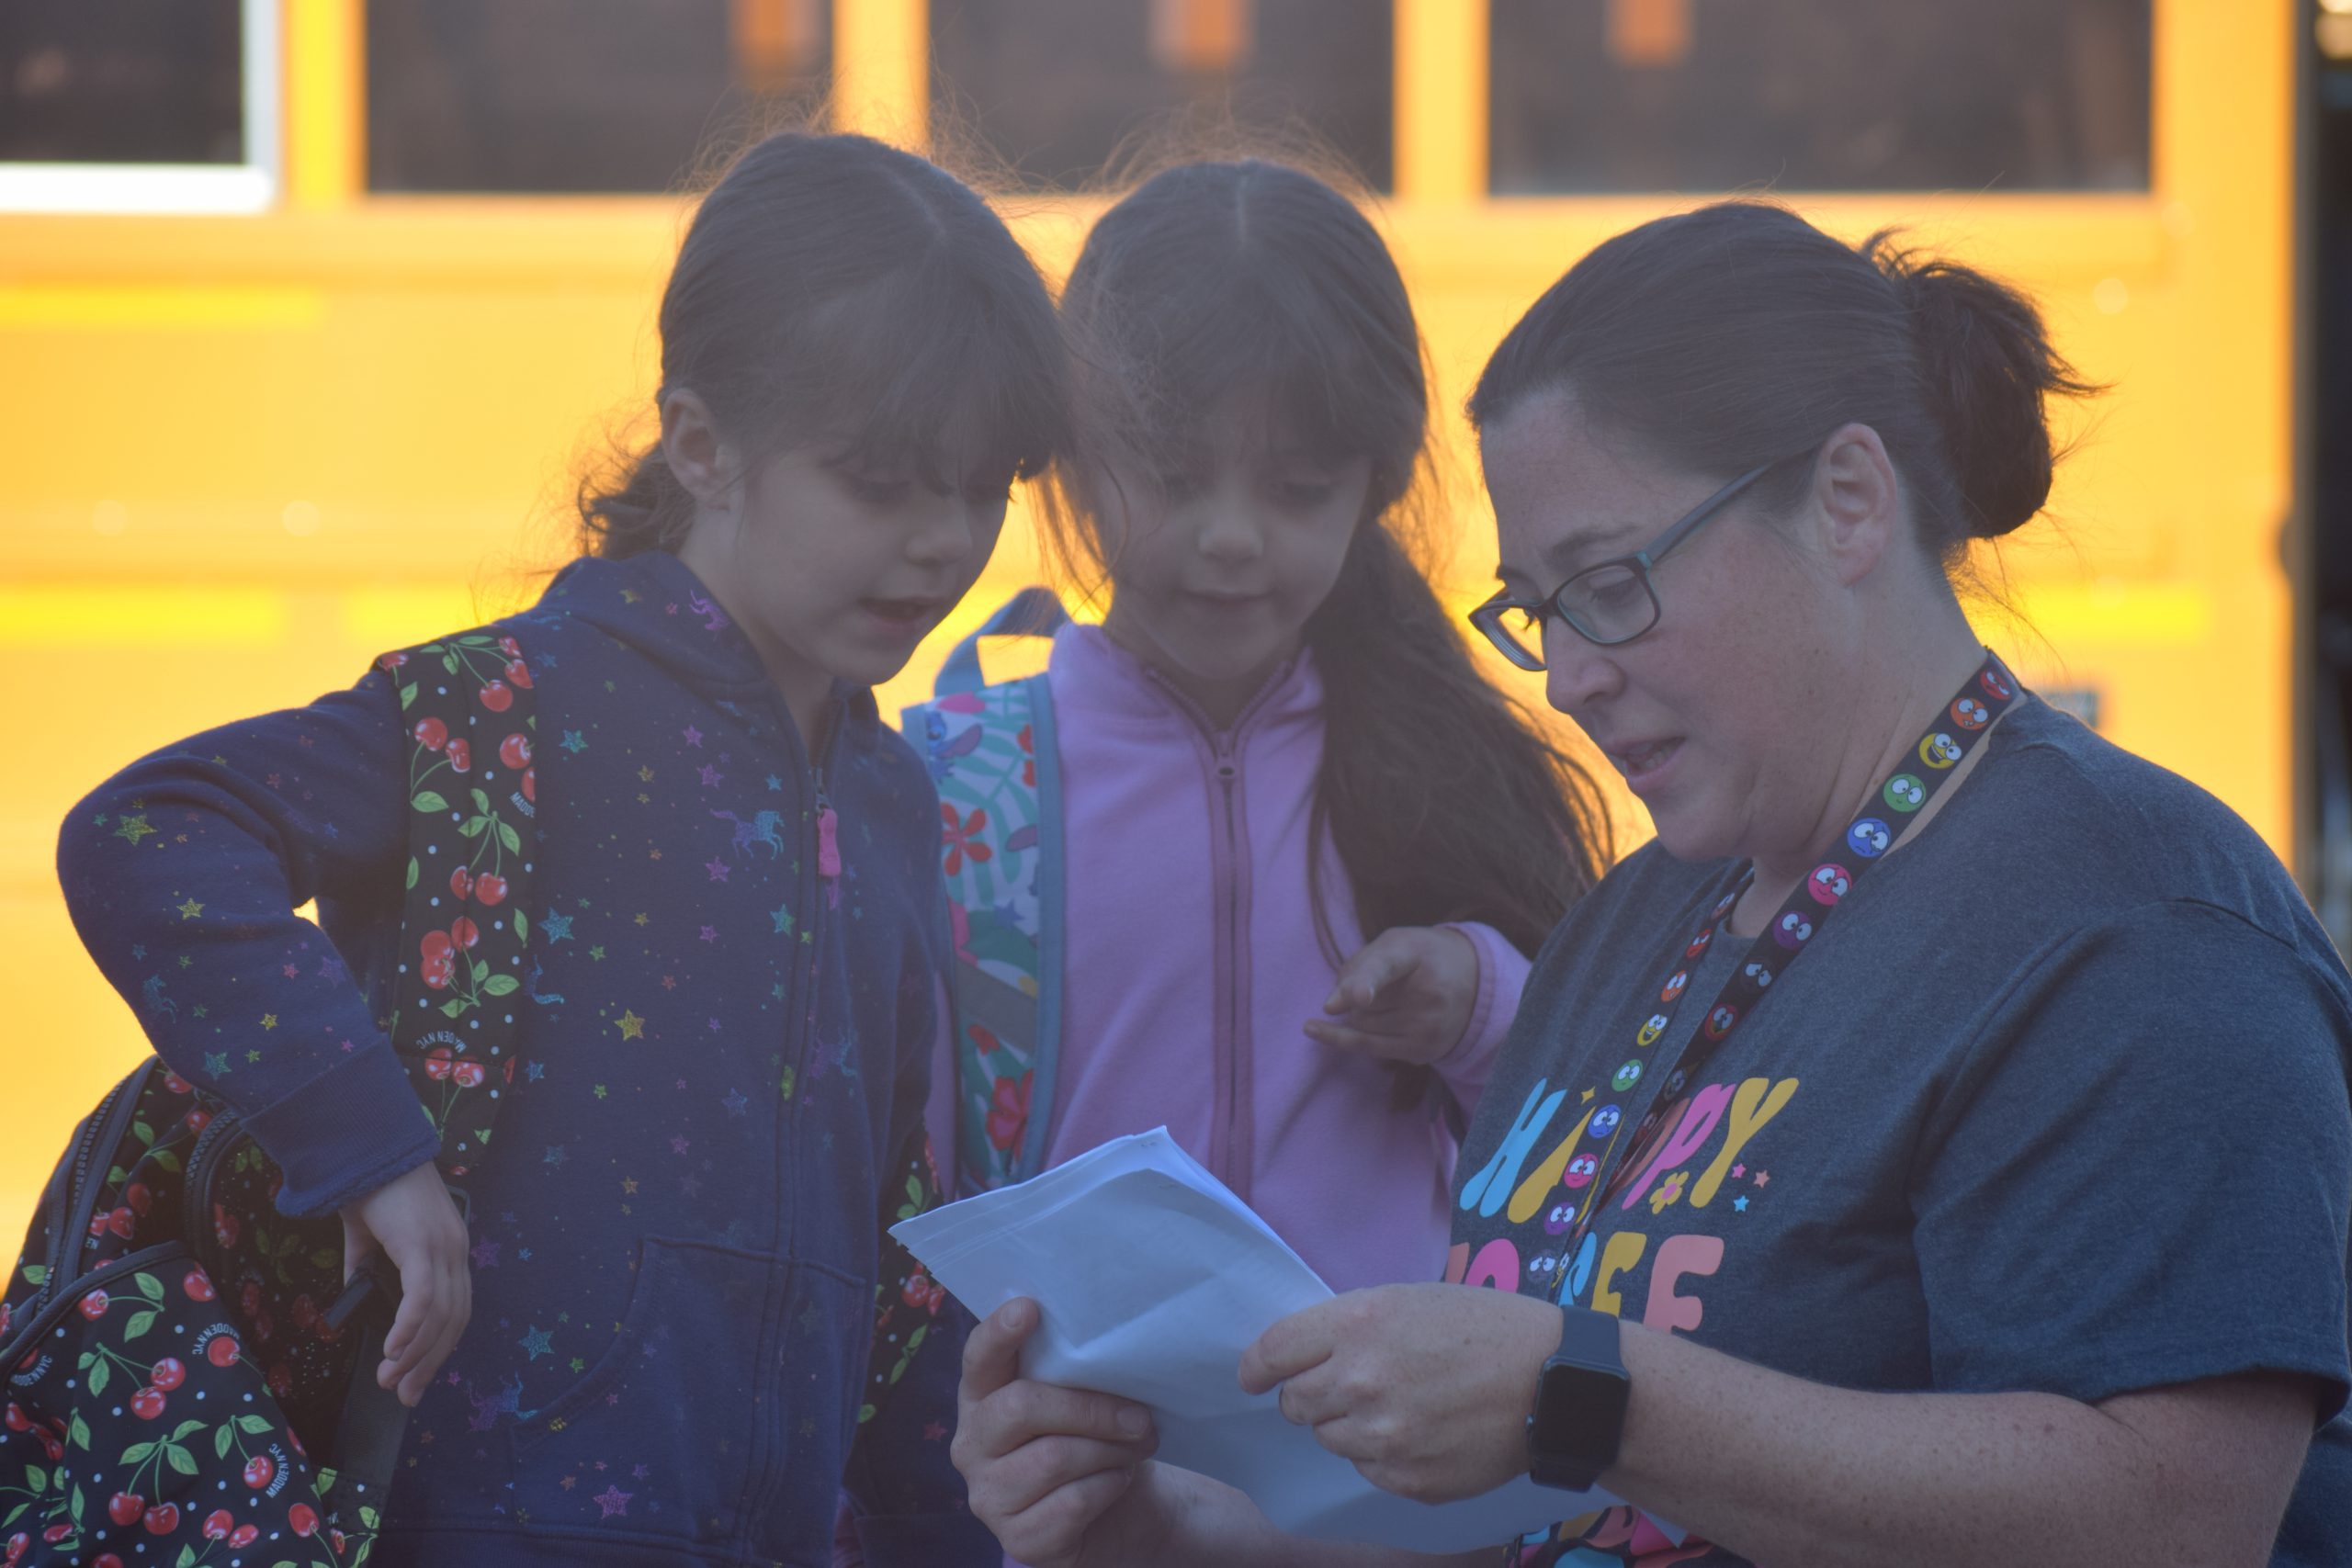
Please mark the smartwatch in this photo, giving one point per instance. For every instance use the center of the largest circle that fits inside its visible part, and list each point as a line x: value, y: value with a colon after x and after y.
x: 1580, y: 1396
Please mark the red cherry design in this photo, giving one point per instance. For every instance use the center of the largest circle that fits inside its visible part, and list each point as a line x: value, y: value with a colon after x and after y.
x: 18, y: 1421
x: 168, y: 1373
x: 198, y: 1286
x: 462, y: 930
x: 176, y: 1084
x: 432, y: 733
x: 461, y: 883
x: 94, y: 1305
x: 147, y: 1404
x: 468, y: 1075
x: 198, y: 1118
x: 461, y: 755
x: 122, y: 1222
x: 221, y: 1350
x: 491, y: 888
x: 496, y: 697
x: 58, y: 1532
x: 244, y: 1536
x: 258, y: 1471
x: 218, y: 1523
x: 509, y: 647
x: 19, y: 1544
x: 163, y: 1519
x: 138, y: 1197
x: 516, y: 750
x: 225, y: 1227
x: 98, y: 1224
x: 336, y: 1535
x: 107, y: 1560
x: 530, y: 784
x: 50, y: 1444
x: 302, y: 1518
x: 518, y: 672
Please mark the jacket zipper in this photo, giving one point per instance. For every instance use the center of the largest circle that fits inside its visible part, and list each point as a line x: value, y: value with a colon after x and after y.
x: 105, y: 1125
x: 823, y: 877
x: 1233, y: 1123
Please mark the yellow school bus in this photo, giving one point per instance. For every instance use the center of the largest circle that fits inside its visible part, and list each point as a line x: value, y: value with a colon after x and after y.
x: 310, y: 311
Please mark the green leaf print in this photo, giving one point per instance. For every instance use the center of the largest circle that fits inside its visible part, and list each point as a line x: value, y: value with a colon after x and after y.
x: 35, y: 1274
x: 511, y: 839
x: 36, y: 1480
x: 100, y: 1375
x: 500, y: 984
x: 165, y: 1160
x: 222, y: 1439
x: 453, y: 1007
x: 79, y: 1433
x: 482, y: 801
x: 150, y: 1287
x: 179, y: 1459
x: 73, y: 1507
x: 412, y: 873
x: 138, y: 1453
x: 252, y: 1426
x: 188, y: 1558
x: 408, y: 696
x: 426, y: 800
x: 522, y: 927
x: 140, y: 1322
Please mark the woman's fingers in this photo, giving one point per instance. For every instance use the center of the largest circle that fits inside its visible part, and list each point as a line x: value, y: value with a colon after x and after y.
x: 1037, y: 1469
x: 1376, y: 967
x: 1054, y: 1528
x: 992, y: 1354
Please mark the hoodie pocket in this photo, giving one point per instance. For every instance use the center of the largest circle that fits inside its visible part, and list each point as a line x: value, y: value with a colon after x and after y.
x: 657, y: 1435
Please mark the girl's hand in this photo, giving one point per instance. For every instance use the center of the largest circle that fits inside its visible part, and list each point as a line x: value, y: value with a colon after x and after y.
x: 1406, y: 997
x: 412, y: 1220
x: 1047, y: 1466
x: 1427, y: 1388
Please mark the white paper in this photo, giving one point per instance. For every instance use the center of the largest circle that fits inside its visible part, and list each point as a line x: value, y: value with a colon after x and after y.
x: 1152, y: 1278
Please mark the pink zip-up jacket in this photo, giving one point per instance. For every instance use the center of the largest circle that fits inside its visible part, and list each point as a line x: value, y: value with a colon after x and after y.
x: 1192, y: 961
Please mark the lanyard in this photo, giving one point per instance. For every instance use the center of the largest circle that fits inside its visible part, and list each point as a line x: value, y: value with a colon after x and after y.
x: 1988, y: 693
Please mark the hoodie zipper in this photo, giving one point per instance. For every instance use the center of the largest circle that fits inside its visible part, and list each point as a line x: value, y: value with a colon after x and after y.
x: 1233, y: 1122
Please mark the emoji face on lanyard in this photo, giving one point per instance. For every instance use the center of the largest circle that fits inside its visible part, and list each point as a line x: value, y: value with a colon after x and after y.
x: 1651, y: 1029
x: 1969, y: 714
x: 1869, y: 838
x: 1581, y: 1170
x: 1604, y: 1122
x: 1792, y: 930
x: 1940, y: 750
x: 1829, y: 882
x: 1904, y: 793
x: 1995, y: 687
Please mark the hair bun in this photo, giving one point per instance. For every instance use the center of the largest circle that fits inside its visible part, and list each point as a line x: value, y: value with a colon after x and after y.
x: 1988, y: 368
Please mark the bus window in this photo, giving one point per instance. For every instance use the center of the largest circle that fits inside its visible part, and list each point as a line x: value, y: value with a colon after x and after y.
x: 575, y: 95
x: 1601, y: 96
x: 1052, y: 86
x: 138, y: 105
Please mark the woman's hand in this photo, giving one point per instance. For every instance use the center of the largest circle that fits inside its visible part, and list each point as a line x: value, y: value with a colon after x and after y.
x: 1406, y: 995
x: 412, y: 1220
x: 1427, y: 1388
x: 1046, y: 1464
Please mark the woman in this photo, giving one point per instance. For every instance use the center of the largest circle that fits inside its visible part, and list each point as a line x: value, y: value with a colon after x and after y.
x: 1993, y: 1206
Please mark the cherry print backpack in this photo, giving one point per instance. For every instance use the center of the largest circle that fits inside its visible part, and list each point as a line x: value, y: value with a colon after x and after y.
x: 189, y: 1380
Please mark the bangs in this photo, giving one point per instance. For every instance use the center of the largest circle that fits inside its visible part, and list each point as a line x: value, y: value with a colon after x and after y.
x: 938, y: 371
x: 1335, y: 385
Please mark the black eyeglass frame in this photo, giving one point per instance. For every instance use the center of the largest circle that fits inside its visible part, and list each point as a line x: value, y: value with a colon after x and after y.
x: 1487, y: 618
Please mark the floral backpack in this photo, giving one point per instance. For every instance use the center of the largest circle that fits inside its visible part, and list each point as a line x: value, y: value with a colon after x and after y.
x: 991, y: 753
x: 190, y: 1381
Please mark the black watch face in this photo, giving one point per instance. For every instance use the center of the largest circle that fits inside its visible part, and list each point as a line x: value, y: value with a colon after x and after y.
x: 1579, y: 1413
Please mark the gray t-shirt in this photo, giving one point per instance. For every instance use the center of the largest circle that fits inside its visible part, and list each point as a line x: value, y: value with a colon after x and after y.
x: 2056, y: 1100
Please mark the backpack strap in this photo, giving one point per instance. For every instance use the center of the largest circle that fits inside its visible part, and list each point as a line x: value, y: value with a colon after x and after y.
x: 991, y: 753
x: 473, y: 792
x: 1032, y: 612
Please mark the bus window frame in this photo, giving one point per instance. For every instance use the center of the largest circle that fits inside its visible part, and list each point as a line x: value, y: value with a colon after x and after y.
x: 163, y: 189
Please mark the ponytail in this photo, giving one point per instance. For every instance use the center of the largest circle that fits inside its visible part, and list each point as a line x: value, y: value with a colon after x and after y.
x: 641, y: 507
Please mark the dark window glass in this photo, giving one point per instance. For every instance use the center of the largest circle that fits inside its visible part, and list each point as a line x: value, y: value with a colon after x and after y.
x: 1711, y: 95
x: 121, y: 82
x: 574, y: 95
x: 1052, y: 86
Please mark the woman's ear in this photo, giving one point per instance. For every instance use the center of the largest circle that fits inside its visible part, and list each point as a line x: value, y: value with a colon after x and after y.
x: 700, y: 457
x: 1859, y: 501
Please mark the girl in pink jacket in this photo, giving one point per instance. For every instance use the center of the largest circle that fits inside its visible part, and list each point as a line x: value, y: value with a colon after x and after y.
x: 1166, y: 854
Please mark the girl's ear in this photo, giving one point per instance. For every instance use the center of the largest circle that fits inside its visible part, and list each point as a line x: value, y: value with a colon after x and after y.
x: 702, y: 460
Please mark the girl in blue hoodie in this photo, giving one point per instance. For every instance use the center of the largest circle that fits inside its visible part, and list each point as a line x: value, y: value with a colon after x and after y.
x: 658, y: 1336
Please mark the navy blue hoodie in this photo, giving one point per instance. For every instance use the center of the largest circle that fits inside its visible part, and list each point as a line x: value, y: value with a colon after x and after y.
x: 722, y: 1060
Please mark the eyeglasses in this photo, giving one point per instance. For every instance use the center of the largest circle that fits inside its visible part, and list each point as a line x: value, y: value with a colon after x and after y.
x: 1609, y: 603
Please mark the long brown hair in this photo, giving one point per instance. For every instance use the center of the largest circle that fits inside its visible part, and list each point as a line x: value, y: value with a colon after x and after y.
x: 1442, y: 798
x: 835, y: 290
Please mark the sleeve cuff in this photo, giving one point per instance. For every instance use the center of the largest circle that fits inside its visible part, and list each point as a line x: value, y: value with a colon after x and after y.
x: 345, y: 1133
x: 1502, y: 975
